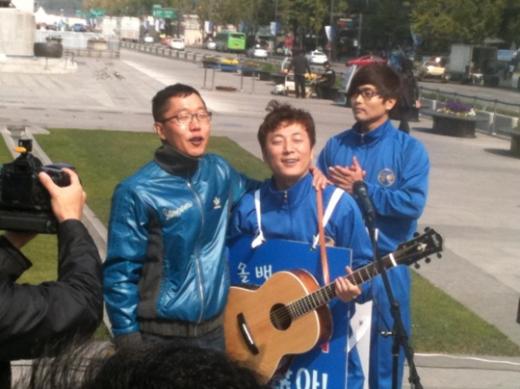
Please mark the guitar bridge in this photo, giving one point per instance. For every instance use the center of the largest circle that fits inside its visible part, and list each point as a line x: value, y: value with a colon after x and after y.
x: 246, y: 334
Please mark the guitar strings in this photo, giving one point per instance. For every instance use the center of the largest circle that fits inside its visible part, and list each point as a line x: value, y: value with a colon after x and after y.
x: 319, y: 297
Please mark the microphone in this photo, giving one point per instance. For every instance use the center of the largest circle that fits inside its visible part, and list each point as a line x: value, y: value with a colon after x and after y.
x: 359, y: 188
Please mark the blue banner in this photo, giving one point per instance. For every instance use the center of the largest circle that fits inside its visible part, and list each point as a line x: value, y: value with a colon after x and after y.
x: 319, y: 368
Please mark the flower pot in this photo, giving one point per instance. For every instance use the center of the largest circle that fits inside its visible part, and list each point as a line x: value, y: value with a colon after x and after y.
x: 50, y: 49
x: 453, y: 125
x: 97, y: 44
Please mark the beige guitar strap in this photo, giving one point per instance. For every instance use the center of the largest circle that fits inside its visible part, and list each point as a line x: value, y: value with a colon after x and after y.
x: 323, y: 251
x: 321, y: 233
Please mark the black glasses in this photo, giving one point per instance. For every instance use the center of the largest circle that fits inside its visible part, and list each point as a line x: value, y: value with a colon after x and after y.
x: 366, y: 93
x: 185, y: 118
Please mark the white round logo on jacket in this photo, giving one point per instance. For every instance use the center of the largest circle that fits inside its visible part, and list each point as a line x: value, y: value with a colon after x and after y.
x: 386, y: 177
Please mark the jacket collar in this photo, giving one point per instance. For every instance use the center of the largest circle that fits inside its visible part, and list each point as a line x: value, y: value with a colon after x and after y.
x: 174, y: 162
x: 292, y: 196
x: 371, y: 136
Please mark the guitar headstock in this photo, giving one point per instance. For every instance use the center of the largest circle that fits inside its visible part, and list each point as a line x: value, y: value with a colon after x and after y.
x: 421, y: 246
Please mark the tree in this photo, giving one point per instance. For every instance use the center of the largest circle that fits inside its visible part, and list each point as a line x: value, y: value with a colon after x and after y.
x: 442, y: 22
x: 386, y: 24
x: 510, y: 26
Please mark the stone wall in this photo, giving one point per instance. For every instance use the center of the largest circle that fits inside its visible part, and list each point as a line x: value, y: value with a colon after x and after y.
x: 17, y: 30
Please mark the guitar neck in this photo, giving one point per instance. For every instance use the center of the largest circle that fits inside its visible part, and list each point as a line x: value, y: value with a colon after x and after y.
x: 324, y: 295
x: 406, y: 254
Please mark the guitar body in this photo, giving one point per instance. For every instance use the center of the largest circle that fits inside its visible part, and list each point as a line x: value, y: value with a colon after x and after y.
x: 259, y: 331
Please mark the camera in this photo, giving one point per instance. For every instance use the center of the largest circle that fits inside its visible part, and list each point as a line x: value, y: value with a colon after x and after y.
x: 24, y: 203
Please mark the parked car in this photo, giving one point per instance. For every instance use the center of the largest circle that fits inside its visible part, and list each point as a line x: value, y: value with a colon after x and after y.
x: 433, y: 68
x: 365, y: 60
x: 211, y: 45
x: 148, y: 39
x: 177, y: 43
x: 257, y: 51
x: 317, y: 57
x: 78, y: 27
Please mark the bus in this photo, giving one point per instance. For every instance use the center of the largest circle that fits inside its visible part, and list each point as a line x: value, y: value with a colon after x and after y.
x: 231, y: 41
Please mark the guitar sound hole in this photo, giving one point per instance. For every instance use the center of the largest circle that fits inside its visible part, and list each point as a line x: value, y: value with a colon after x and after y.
x: 280, y: 317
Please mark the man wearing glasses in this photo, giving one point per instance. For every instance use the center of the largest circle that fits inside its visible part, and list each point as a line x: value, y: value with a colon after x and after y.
x: 165, y: 276
x: 395, y: 168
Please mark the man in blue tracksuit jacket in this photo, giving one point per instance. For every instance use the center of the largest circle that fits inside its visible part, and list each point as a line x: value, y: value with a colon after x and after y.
x: 395, y: 168
x: 166, y: 276
x: 287, y: 202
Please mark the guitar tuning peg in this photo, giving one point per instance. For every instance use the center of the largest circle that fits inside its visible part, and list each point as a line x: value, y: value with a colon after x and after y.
x: 417, y: 266
x: 427, y: 260
x: 426, y: 229
x: 439, y: 255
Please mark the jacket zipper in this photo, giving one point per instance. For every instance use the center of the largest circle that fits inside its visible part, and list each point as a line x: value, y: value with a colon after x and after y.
x: 197, y: 252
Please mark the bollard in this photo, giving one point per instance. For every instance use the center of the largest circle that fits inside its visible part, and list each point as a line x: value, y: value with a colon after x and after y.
x: 493, y: 132
x: 491, y: 123
x: 205, y: 77
x: 241, y: 81
x: 253, y: 77
x: 518, y: 313
x: 212, y: 78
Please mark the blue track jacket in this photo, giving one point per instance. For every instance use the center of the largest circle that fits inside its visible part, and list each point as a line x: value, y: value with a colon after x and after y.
x: 397, y: 168
x: 166, y: 255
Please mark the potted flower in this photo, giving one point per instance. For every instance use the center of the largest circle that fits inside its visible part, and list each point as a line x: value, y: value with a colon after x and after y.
x: 210, y: 61
x: 266, y: 71
x: 51, y: 48
x: 248, y: 67
x: 97, y: 43
x: 457, y: 108
x: 455, y: 118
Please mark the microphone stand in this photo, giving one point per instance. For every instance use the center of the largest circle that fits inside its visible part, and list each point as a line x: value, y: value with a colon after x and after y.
x: 400, y: 337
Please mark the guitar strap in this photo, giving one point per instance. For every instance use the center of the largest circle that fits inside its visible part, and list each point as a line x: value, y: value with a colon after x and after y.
x: 259, y: 239
x: 336, y: 195
x: 325, y: 347
x: 321, y: 234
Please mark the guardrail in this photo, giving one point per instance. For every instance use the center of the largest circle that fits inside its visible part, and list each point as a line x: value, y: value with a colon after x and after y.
x: 198, y: 57
x: 502, y: 116
x: 186, y: 55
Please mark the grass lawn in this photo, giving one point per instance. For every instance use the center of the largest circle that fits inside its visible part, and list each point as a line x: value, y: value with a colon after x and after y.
x: 103, y: 158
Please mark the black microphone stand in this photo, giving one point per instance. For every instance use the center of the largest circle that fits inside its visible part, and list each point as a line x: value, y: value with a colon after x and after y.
x: 400, y: 337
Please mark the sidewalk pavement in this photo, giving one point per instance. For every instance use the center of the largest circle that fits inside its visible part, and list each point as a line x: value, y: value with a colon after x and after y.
x: 474, y: 184
x: 442, y: 371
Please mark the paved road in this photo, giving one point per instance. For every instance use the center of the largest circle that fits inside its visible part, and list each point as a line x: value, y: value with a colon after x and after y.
x: 474, y: 183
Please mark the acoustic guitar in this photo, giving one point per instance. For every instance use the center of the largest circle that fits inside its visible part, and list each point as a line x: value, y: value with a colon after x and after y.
x: 288, y: 314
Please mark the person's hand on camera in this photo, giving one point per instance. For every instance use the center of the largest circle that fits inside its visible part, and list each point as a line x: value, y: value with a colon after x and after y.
x: 67, y: 202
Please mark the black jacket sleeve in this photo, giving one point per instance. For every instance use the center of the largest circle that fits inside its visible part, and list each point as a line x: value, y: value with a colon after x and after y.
x: 38, y: 319
x: 12, y: 262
